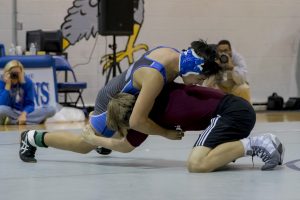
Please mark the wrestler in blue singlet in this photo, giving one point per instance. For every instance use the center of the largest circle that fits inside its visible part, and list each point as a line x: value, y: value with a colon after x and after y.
x: 121, y: 83
x: 144, y: 61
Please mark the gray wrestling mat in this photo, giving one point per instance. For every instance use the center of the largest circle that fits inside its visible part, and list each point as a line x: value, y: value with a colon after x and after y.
x: 156, y: 170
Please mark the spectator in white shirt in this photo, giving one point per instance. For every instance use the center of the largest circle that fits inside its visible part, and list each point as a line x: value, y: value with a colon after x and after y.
x: 232, y: 79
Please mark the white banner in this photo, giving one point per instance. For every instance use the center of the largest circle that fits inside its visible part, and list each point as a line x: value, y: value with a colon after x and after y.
x: 44, y: 82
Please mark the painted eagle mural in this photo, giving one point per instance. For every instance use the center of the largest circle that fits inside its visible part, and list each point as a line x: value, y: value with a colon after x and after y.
x: 82, y: 23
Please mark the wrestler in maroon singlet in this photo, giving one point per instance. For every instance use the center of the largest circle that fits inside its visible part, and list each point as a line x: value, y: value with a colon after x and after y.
x: 223, y: 117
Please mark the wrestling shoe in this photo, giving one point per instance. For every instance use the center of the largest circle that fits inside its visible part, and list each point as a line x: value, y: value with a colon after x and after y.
x: 103, y: 151
x: 269, y: 149
x: 27, y: 151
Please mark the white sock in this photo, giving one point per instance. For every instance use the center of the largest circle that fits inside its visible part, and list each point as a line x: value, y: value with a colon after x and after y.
x: 30, y: 136
x: 247, y: 147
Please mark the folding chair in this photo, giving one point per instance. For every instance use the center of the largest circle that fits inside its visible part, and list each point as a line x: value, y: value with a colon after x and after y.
x: 67, y: 87
x: 2, y: 50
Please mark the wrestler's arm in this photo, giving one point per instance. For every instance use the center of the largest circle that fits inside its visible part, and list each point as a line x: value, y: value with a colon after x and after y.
x: 151, y: 83
x: 117, y: 144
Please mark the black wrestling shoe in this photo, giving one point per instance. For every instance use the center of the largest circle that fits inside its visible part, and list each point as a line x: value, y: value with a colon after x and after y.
x: 103, y: 151
x: 27, y: 151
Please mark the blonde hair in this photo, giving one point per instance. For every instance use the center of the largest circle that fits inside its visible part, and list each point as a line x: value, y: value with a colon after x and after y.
x: 12, y: 64
x: 119, y: 110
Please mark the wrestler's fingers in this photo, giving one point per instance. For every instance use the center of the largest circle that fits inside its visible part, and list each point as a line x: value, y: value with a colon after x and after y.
x: 84, y: 133
x: 182, y: 134
x: 87, y: 131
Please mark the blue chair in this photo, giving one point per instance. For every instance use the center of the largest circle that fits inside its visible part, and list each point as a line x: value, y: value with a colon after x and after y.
x: 67, y: 87
x: 2, y: 50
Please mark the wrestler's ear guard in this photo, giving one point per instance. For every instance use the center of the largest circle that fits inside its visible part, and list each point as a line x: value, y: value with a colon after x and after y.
x: 190, y: 63
x: 209, y: 53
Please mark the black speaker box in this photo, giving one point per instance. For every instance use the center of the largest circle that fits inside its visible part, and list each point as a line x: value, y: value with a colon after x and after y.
x: 115, y: 17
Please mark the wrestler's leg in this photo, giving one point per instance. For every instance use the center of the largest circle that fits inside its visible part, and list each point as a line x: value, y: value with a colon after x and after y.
x: 267, y: 146
x: 32, y: 139
x: 204, y: 159
x: 67, y: 141
x: 242, y: 91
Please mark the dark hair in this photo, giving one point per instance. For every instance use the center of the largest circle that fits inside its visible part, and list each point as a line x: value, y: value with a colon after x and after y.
x: 202, y: 49
x: 225, y: 42
x: 208, y: 52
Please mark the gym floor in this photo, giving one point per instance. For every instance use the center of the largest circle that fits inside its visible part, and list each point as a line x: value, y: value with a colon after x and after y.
x: 155, y: 170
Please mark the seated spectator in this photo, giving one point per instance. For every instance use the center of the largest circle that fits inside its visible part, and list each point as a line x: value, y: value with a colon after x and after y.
x: 17, y: 98
x: 232, y: 79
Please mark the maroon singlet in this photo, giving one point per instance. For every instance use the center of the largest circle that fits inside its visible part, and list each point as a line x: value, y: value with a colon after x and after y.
x: 190, y: 107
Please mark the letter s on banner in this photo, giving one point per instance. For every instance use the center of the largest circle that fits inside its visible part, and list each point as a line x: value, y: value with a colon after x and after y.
x: 41, y: 95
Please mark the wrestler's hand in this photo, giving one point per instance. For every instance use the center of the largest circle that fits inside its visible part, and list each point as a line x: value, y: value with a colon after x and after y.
x: 174, y: 134
x: 88, y: 134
